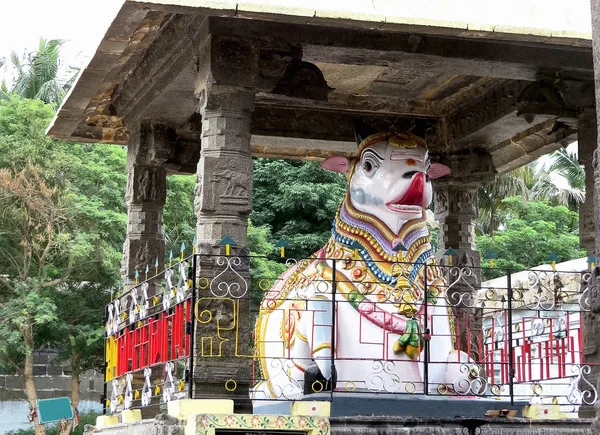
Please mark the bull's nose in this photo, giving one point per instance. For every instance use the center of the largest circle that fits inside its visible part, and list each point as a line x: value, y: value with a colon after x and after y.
x: 413, y: 195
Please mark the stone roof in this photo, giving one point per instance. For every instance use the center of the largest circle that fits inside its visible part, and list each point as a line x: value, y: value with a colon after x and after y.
x: 464, y: 77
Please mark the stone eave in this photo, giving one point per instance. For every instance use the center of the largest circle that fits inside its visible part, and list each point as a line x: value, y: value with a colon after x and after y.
x: 82, y: 116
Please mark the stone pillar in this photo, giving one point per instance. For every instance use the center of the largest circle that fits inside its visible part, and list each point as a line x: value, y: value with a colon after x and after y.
x: 591, y: 337
x: 223, y: 203
x: 456, y: 211
x: 145, y: 198
x: 224, y: 177
x: 587, y: 137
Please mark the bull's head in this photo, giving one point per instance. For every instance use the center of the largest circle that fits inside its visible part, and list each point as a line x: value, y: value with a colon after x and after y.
x: 390, y: 177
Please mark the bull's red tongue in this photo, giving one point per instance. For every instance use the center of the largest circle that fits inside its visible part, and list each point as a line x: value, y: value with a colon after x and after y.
x: 414, y: 194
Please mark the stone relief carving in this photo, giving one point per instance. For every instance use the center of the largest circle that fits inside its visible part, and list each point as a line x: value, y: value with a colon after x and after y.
x: 464, y: 202
x: 232, y: 186
x: 440, y: 203
x: 148, y: 185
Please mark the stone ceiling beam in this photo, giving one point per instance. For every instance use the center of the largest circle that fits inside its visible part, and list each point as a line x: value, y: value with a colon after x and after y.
x: 493, y: 58
x: 298, y: 148
x: 530, y: 145
x: 356, y: 104
x: 467, y: 124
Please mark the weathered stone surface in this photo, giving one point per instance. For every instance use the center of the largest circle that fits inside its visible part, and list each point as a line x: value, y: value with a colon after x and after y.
x: 591, y: 339
x: 456, y: 211
x: 145, y: 198
x: 457, y: 426
x: 222, y: 205
x: 587, y: 135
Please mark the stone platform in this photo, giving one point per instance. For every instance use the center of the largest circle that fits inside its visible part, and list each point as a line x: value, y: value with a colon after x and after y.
x: 373, y: 404
x: 457, y: 426
x: 166, y: 425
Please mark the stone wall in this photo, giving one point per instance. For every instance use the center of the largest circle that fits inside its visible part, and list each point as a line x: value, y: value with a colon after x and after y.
x: 51, y: 380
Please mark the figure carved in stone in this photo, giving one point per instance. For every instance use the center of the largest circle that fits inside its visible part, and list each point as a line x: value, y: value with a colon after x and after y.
x: 236, y: 184
x: 385, y: 275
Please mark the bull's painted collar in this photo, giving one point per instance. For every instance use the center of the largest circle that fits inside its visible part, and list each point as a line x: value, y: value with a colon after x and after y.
x: 371, y: 232
x: 377, y: 241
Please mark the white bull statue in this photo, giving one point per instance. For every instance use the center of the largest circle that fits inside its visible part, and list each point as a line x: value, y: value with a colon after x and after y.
x: 382, y: 250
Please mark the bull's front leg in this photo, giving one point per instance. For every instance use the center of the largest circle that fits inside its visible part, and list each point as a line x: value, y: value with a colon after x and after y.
x: 318, y: 330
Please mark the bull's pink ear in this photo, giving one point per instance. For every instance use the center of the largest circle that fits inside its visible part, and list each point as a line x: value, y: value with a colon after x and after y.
x: 336, y: 164
x: 437, y: 170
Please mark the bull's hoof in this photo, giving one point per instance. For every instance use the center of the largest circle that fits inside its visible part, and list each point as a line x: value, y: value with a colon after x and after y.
x: 315, y: 382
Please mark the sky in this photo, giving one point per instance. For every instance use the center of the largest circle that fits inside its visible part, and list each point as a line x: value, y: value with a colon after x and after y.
x: 81, y: 22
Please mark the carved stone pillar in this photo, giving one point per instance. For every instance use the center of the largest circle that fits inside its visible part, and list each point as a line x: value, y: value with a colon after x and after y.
x: 587, y: 137
x: 223, y: 203
x: 456, y: 211
x: 145, y: 199
x: 591, y: 337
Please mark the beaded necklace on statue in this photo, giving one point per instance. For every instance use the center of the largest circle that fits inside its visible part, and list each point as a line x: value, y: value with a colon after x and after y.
x: 377, y: 241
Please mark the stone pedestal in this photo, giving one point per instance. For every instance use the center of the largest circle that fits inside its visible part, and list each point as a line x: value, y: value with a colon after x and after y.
x: 223, y: 204
x: 587, y: 137
x: 456, y: 211
x: 145, y: 199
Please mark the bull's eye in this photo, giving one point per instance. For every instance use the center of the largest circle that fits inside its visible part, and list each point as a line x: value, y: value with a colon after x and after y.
x: 370, y: 165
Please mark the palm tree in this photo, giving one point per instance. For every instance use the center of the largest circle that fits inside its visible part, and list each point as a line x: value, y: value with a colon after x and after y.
x: 37, y: 73
x: 514, y: 183
x: 3, y: 85
x: 561, y: 181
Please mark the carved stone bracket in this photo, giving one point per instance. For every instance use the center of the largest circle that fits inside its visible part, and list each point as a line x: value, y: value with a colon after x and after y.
x: 565, y: 98
x: 469, y: 167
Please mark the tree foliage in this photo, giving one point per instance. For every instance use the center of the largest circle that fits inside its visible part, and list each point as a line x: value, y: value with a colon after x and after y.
x: 298, y: 201
x: 561, y: 181
x: 36, y: 74
x: 61, y: 237
x: 534, y: 229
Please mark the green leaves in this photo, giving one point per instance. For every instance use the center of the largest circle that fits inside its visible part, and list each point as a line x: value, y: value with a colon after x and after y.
x: 533, y: 230
x: 36, y: 73
x: 298, y: 201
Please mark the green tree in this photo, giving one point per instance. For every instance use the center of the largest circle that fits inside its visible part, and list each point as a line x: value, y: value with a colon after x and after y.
x: 490, y: 197
x: 39, y: 252
x: 79, y: 333
x: 534, y: 229
x: 80, y: 224
x: 561, y: 181
x: 37, y: 73
x: 298, y: 201
x: 179, y: 220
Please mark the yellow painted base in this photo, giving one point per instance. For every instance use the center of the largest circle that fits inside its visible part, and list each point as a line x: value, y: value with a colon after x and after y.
x: 131, y: 415
x: 543, y: 412
x: 181, y: 409
x: 106, y: 421
x: 208, y: 424
x: 322, y: 409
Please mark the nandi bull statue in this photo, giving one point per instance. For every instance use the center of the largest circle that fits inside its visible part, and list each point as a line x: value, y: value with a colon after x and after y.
x: 382, y: 250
